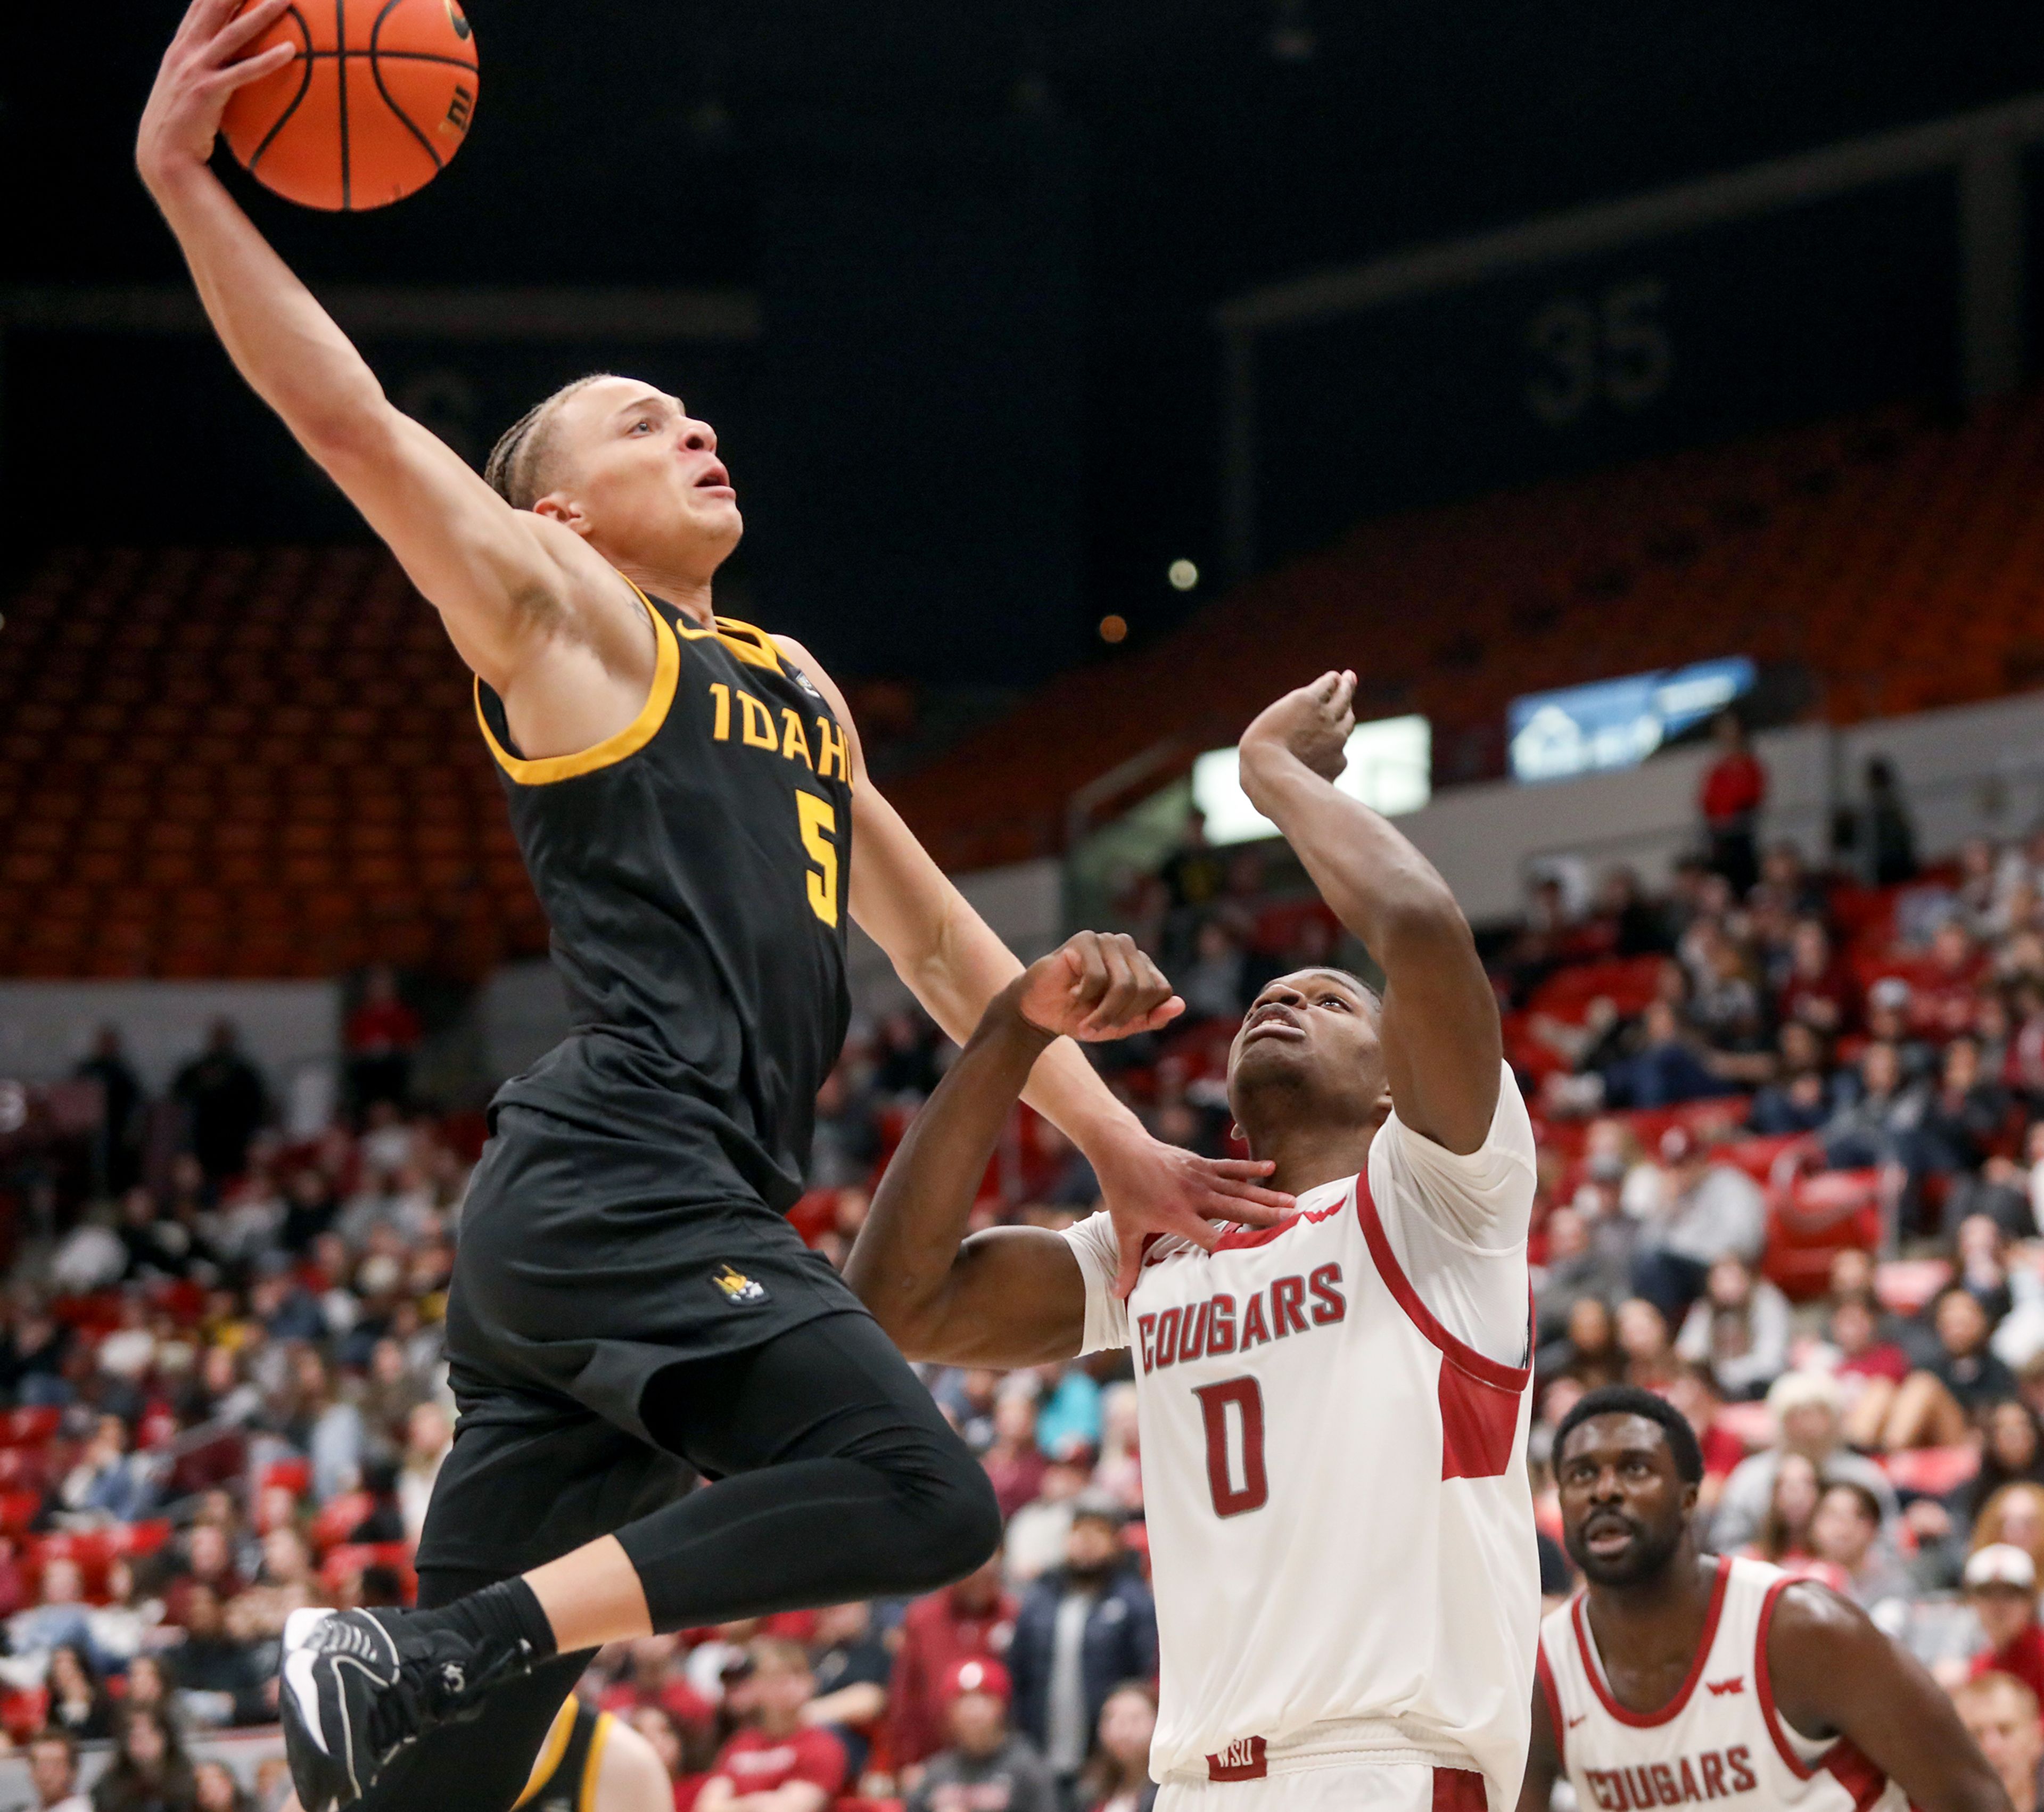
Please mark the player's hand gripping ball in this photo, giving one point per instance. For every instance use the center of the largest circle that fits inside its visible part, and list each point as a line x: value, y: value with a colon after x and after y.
x: 379, y: 97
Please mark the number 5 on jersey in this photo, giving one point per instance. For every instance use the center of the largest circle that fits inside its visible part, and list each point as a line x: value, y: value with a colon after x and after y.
x: 819, y: 822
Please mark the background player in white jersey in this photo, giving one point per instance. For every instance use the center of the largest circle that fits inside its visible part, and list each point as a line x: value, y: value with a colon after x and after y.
x: 1334, y: 1410
x: 1678, y: 1677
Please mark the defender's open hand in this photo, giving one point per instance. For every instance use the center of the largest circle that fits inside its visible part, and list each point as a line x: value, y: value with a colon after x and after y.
x: 1311, y: 724
x: 1095, y: 987
x: 202, y: 67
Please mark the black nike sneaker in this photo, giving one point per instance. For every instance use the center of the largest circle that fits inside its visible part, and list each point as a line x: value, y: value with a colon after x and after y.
x: 357, y: 1687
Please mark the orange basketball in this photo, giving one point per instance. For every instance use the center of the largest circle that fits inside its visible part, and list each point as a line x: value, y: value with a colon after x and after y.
x: 379, y: 97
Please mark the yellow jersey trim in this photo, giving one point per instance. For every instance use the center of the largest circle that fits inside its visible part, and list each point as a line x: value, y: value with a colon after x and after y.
x: 629, y: 741
x: 593, y: 1769
x: 753, y: 646
x: 550, y: 1752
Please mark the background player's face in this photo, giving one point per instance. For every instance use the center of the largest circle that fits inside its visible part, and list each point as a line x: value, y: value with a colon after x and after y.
x: 1623, y: 1505
x: 641, y: 478
x: 1308, y: 1046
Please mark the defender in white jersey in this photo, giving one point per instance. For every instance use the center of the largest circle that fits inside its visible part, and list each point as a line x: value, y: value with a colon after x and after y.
x: 1334, y: 1410
x: 1679, y: 1679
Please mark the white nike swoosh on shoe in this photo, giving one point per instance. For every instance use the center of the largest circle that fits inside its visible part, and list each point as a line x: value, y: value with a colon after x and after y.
x: 303, y: 1690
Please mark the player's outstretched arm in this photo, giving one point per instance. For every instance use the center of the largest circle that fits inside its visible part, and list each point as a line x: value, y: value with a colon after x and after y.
x: 1543, y: 1760
x: 1442, y: 1044
x: 1832, y: 1670
x: 498, y: 575
x: 1010, y: 1295
x: 954, y: 964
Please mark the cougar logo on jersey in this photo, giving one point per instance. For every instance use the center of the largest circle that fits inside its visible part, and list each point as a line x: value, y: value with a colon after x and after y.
x: 737, y: 1288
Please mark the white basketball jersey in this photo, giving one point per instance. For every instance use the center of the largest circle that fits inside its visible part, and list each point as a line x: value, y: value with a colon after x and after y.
x: 1720, y: 1738
x: 1340, y: 1519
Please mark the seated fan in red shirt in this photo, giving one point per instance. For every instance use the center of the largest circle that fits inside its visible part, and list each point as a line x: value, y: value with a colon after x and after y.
x: 777, y: 1763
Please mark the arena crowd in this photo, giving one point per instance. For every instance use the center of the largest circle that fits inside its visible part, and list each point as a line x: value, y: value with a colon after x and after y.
x: 1792, y: 1138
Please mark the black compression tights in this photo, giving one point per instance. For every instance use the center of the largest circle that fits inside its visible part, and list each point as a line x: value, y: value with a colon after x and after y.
x: 839, y: 1481
x: 838, y: 1478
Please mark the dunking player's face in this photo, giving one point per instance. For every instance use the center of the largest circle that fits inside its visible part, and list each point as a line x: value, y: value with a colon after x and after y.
x: 1624, y: 1506
x: 1308, y: 1049
x: 639, y: 476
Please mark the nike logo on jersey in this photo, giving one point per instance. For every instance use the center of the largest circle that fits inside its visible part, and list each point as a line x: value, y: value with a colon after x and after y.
x: 1720, y: 1687
x: 1580, y: 1718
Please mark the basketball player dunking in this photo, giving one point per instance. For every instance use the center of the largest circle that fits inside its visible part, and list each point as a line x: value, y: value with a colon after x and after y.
x: 1333, y: 1409
x: 1677, y: 1678
x: 628, y: 1300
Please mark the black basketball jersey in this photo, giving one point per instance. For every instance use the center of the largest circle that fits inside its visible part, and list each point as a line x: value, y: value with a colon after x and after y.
x: 694, y: 866
x: 564, y: 1778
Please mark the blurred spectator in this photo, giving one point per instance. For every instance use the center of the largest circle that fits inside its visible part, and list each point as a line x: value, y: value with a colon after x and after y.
x: 80, y: 1704
x: 985, y: 1766
x: 1194, y: 873
x: 1934, y: 1406
x: 1804, y: 1408
x: 150, y: 1772
x: 777, y: 1763
x: 2013, y: 1518
x: 1037, y: 1532
x: 1845, y: 1535
x: 1211, y: 984
x: 1665, y: 1070
x: 2011, y: 1453
x: 381, y: 1036
x: 1587, y: 1350
x: 216, y: 1790
x: 1117, y: 1778
x: 1081, y: 1630
x: 851, y: 1669
x: 221, y: 1679
x: 1709, y: 1211
x: 53, y: 1772
x: 1868, y: 1367
x: 1738, y: 1328
x: 2001, y: 1591
x: 224, y: 1101
x: 1014, y: 1462
x: 1878, y: 832
x: 117, y: 1149
x: 972, y: 1620
x: 1783, y: 1537
x: 58, y: 1619
x: 1734, y: 788
x: 2000, y: 1713
x: 108, y: 1483
x: 1798, y: 1099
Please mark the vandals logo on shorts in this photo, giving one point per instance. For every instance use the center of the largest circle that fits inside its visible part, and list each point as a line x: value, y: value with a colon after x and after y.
x: 737, y: 1288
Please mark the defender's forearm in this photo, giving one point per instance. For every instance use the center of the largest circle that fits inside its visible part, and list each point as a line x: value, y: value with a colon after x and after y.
x: 1379, y: 885
x: 902, y: 1265
x: 282, y: 341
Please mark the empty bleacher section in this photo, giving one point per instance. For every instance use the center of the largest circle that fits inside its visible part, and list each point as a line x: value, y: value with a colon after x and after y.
x: 244, y: 763
x: 1896, y: 559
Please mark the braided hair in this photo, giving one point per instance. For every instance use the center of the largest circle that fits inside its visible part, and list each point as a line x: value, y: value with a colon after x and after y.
x: 519, y: 462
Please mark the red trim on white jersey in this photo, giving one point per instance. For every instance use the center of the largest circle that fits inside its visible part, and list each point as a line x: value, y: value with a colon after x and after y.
x: 1460, y: 1353
x: 1545, y: 1676
x: 1763, y: 1683
x: 1647, y: 1719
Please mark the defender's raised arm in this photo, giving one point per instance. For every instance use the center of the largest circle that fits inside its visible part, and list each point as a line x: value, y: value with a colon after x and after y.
x: 503, y: 579
x: 1010, y: 1295
x: 1442, y: 1043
